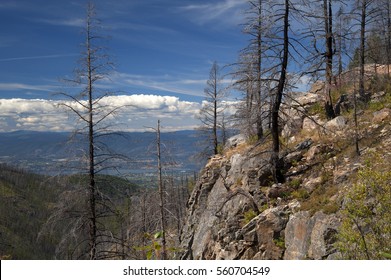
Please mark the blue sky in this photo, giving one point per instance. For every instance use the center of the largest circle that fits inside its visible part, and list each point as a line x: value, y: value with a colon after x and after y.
x: 162, y: 50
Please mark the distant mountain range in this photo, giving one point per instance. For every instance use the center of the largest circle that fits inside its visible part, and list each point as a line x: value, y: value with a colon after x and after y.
x: 54, y: 152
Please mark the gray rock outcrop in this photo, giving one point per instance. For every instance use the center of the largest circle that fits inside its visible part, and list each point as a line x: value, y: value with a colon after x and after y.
x: 309, y: 237
x: 233, y: 214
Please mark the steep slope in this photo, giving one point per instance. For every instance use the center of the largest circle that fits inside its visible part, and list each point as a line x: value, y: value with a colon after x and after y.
x: 235, y: 212
x: 32, y: 225
x: 25, y: 203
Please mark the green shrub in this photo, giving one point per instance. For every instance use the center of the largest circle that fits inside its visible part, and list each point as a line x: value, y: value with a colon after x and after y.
x: 220, y: 148
x: 248, y: 216
x: 317, y: 109
x: 300, y: 194
x: 295, y: 183
x: 279, y: 242
x: 331, y: 207
x: 376, y: 106
x: 319, y: 200
x: 252, y: 139
x: 366, y: 226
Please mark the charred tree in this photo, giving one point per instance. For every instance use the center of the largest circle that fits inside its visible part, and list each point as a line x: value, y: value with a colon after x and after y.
x: 275, y: 160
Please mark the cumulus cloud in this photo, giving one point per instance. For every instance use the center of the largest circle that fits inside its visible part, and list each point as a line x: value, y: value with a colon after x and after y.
x: 135, y: 113
x: 140, y: 111
x: 34, y: 114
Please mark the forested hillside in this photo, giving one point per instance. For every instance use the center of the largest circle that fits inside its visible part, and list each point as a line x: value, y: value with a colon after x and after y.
x: 26, y: 201
x: 42, y: 217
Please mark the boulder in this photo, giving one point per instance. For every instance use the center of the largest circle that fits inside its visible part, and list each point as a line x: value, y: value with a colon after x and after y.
x: 312, y: 152
x: 376, y: 97
x: 336, y: 124
x: 311, y: 124
x: 269, y: 229
x: 307, y: 98
x: 235, y: 141
x: 304, y: 145
x: 381, y: 115
x: 311, y: 183
x: 298, y: 100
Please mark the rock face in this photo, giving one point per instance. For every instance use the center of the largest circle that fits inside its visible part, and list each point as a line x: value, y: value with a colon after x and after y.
x: 233, y: 214
x: 226, y: 189
x: 310, y: 237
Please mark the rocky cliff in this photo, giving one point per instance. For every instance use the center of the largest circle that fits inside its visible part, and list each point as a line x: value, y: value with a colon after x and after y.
x: 236, y: 212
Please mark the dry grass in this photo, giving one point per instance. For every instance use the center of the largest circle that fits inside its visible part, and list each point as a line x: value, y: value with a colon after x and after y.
x: 239, y: 149
x: 320, y: 200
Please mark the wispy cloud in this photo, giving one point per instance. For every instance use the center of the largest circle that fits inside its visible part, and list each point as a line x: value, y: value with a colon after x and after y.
x: 8, y: 41
x: 228, y: 11
x: 140, y: 28
x: 9, y: 5
x: 166, y: 83
x: 189, y: 84
x: 37, y: 57
x: 69, y: 22
x: 22, y: 86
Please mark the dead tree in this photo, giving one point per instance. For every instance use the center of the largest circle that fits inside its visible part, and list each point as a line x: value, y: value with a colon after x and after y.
x: 320, y: 30
x: 211, y: 113
x: 250, y: 70
x: 161, y: 194
x: 281, y: 85
x: 361, y: 85
x: 91, y: 113
x: 329, y: 53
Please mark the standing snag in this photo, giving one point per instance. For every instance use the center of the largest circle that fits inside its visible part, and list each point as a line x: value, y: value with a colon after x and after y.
x: 91, y: 114
x: 212, y: 112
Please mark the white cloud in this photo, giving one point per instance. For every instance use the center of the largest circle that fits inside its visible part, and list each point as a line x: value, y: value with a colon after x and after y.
x: 35, y: 114
x: 229, y: 11
x: 137, y: 112
x: 140, y: 111
x: 68, y: 22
